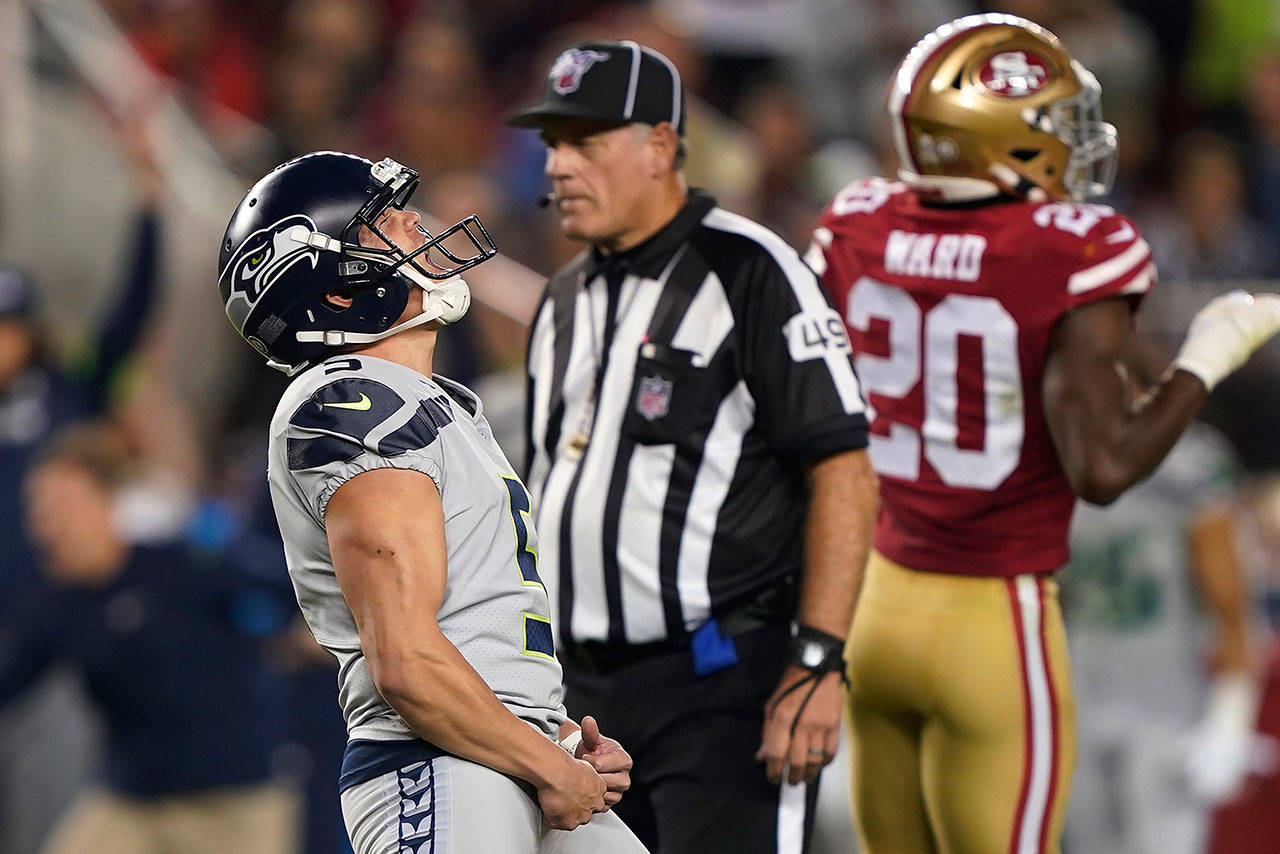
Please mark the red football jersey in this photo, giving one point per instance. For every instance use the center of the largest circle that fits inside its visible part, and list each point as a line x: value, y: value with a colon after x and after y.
x: 950, y: 311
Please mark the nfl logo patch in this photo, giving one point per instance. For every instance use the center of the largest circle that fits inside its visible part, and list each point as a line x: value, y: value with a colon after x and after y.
x: 566, y: 73
x: 654, y: 398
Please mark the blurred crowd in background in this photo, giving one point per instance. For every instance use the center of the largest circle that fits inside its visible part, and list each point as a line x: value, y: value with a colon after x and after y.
x: 786, y: 108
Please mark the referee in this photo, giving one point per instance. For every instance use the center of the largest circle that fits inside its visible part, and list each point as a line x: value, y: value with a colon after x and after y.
x: 696, y: 437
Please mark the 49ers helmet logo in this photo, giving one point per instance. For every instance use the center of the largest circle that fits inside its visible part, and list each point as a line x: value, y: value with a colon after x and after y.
x: 1014, y: 73
x: 566, y: 73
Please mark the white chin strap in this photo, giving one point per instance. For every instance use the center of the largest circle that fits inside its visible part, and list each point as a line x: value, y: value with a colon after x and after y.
x: 443, y: 301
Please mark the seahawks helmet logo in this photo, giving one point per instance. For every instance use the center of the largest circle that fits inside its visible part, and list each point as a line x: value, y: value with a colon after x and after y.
x: 261, y: 260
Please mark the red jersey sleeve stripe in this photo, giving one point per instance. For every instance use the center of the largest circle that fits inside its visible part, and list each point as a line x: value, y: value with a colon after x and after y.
x: 1111, y: 270
x: 1142, y: 282
x: 815, y: 256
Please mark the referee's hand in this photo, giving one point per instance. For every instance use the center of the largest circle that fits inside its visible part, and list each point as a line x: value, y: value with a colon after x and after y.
x: 611, y: 762
x: 816, y: 733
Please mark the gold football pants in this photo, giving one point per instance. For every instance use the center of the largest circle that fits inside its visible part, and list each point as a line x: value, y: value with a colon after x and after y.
x: 962, y: 715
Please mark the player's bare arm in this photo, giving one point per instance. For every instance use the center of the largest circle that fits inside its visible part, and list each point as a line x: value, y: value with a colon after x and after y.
x: 1105, y: 438
x: 1217, y: 758
x: 386, y: 535
x: 1215, y: 565
x: 802, y: 725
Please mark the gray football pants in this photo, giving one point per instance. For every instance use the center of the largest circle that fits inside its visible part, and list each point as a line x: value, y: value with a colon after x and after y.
x: 452, y: 806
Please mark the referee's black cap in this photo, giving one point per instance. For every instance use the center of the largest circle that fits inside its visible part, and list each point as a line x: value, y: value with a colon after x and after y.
x: 619, y: 81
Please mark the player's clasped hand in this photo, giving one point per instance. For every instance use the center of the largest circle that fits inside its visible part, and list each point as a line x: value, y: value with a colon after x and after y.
x: 800, y: 747
x: 575, y: 793
x: 611, y: 762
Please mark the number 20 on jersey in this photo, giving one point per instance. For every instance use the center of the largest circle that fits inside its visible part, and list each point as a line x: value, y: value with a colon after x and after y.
x: 925, y: 348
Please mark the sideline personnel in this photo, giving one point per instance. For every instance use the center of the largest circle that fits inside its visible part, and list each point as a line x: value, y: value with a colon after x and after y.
x: 696, y: 437
x: 185, y: 703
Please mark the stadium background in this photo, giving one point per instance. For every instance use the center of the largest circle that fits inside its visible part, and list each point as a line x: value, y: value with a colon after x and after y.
x: 105, y: 105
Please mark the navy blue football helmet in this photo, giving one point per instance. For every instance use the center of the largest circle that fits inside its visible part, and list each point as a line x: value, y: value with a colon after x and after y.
x: 295, y: 237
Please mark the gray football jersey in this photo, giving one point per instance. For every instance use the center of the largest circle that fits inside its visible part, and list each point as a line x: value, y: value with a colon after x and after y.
x: 348, y: 415
x: 1134, y: 625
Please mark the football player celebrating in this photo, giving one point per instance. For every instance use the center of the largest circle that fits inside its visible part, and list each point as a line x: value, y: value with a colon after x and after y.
x: 990, y: 309
x: 407, y: 533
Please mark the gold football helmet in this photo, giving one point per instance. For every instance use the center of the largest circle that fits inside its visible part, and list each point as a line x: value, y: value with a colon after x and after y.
x: 991, y: 103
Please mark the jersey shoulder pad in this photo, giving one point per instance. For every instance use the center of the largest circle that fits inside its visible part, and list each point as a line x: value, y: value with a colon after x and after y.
x: 865, y: 196
x: 1101, y: 251
x: 850, y: 223
x: 350, y: 415
x: 349, y: 407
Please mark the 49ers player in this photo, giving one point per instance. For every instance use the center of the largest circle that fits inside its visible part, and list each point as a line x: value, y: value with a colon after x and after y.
x: 990, y: 309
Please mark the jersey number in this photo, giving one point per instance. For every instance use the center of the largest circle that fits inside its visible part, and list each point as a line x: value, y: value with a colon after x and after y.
x: 537, y: 628
x: 928, y: 346
x: 526, y: 557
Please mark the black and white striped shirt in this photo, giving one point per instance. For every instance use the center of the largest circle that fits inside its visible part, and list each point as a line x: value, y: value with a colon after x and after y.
x: 719, y: 367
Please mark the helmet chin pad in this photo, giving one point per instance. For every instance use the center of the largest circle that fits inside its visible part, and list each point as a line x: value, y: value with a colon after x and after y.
x: 444, y: 301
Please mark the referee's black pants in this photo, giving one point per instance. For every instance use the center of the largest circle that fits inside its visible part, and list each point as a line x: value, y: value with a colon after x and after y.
x: 696, y: 787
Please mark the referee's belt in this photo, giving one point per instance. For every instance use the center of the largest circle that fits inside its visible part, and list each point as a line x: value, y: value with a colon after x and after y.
x: 773, y: 607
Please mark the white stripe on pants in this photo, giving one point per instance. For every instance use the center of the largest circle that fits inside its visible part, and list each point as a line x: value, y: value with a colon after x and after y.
x: 791, y: 809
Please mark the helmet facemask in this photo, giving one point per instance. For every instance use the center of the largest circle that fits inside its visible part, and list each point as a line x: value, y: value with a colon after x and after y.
x: 1077, y: 121
x: 397, y: 185
x: 379, y: 278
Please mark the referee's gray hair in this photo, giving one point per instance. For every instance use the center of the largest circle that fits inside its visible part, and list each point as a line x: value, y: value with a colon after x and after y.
x: 642, y: 132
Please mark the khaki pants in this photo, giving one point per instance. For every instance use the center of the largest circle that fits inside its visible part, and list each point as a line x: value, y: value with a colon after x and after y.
x: 260, y: 819
x: 962, y: 714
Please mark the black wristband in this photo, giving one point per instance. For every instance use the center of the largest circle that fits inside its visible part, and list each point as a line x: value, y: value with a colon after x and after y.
x: 820, y: 654
x: 804, y: 643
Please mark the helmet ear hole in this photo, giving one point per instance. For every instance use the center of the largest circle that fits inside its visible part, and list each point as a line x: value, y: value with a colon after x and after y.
x: 1026, y: 155
x: 336, y: 301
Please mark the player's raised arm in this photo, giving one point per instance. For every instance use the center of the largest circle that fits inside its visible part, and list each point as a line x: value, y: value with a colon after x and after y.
x: 386, y: 535
x: 1106, y: 437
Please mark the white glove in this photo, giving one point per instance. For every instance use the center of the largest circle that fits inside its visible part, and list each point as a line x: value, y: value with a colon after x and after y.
x: 1218, y: 755
x: 1225, y: 333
